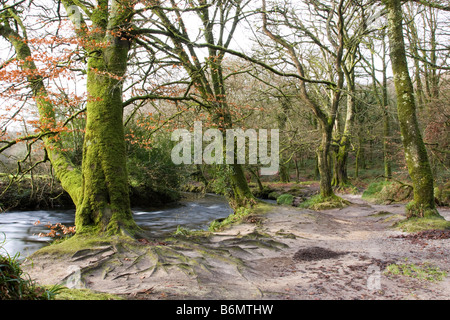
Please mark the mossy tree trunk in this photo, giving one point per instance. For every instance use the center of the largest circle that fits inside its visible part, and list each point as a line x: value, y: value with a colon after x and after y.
x: 105, y: 205
x: 257, y: 178
x: 351, y: 58
x: 386, y: 127
x: 100, y: 189
x: 323, y: 162
x: 105, y: 202
x: 242, y: 195
x: 282, y: 118
x: 415, y: 152
x: 340, y: 175
x: 385, y: 105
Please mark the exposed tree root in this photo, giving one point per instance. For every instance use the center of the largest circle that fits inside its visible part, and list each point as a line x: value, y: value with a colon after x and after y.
x: 121, y: 260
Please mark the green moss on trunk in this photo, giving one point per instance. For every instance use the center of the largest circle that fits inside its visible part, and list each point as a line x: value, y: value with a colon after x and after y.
x: 100, y: 190
x: 323, y: 152
x: 340, y: 176
x: 415, y: 152
x: 105, y: 204
x: 242, y: 195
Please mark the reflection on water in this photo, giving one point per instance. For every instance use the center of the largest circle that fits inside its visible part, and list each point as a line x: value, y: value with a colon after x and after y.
x: 20, y: 234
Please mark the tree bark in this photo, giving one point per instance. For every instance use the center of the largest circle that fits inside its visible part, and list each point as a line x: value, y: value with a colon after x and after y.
x: 323, y: 153
x: 105, y: 201
x: 386, y: 122
x: 340, y: 178
x: 384, y: 104
x: 104, y: 206
x: 100, y: 190
x: 415, y: 152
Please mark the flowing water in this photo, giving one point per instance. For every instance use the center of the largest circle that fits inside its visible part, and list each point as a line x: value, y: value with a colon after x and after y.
x: 19, y: 233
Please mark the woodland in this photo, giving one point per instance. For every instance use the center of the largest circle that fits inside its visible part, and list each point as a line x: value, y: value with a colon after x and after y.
x: 91, y: 91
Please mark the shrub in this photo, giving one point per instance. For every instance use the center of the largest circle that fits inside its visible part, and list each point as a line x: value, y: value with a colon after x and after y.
x: 285, y: 199
x: 16, y: 285
x: 387, y: 191
x: 374, y: 189
x: 442, y: 194
x: 318, y: 202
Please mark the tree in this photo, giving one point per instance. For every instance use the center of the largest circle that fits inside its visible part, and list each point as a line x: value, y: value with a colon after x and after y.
x: 334, y: 35
x: 218, y: 21
x: 355, y: 28
x: 100, y: 189
x: 380, y: 90
x: 326, y: 118
x: 416, y: 156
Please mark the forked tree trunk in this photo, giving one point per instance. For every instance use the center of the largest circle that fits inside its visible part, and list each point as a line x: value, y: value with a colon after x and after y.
x: 100, y: 191
x: 105, y: 203
x: 340, y: 175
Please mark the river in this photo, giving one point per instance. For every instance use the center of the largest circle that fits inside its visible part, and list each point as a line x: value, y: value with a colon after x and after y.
x: 19, y: 233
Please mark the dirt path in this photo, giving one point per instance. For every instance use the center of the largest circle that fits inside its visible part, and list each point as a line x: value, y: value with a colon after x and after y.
x: 289, y: 254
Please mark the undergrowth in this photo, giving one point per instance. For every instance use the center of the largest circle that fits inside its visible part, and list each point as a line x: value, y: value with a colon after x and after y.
x: 318, y: 202
x: 387, y: 192
x: 17, y: 285
x: 415, y: 224
x: 286, y: 199
x: 241, y: 214
x: 84, y: 294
